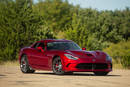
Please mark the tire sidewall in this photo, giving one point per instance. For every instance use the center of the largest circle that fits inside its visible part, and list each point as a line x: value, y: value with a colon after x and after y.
x: 27, y: 70
x: 23, y: 58
x: 53, y: 69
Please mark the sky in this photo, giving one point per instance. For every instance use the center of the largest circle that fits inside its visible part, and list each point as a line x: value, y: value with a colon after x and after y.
x: 101, y: 4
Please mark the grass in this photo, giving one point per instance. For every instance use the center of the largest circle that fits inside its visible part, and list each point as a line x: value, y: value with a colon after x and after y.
x: 117, y: 65
x: 10, y: 63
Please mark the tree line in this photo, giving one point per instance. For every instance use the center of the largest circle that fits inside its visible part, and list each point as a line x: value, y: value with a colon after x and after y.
x: 22, y: 22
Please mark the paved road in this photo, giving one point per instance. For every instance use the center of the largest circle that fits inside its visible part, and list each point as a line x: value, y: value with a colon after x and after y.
x: 11, y: 76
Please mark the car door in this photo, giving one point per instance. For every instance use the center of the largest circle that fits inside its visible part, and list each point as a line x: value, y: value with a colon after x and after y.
x: 39, y: 58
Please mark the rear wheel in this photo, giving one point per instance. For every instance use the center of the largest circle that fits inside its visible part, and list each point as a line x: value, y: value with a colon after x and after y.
x: 25, y: 68
x: 101, y: 73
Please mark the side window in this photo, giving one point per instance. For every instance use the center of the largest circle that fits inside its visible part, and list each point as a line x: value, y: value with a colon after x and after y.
x: 50, y: 46
x: 35, y: 45
x: 41, y: 44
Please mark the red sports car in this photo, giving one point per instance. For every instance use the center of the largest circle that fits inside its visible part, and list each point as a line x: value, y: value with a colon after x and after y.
x: 63, y: 57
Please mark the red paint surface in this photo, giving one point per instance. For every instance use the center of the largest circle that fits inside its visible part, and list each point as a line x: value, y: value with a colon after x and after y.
x: 42, y: 60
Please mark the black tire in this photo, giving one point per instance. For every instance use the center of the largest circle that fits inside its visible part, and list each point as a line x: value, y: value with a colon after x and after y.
x: 24, y: 66
x: 68, y: 73
x: 101, y: 73
x: 57, y: 66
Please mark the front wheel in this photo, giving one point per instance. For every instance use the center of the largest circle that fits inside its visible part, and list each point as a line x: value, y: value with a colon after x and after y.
x: 101, y: 73
x: 25, y: 68
x: 57, y: 66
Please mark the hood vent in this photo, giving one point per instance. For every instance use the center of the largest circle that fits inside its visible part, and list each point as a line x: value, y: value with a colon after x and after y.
x: 89, y: 54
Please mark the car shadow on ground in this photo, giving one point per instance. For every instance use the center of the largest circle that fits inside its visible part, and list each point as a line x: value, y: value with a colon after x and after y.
x: 74, y: 74
x: 1, y: 75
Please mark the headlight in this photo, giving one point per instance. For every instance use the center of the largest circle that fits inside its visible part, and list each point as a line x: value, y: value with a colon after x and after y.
x: 108, y: 58
x: 71, y: 57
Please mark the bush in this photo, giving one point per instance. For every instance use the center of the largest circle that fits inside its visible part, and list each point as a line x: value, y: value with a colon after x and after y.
x: 120, y: 53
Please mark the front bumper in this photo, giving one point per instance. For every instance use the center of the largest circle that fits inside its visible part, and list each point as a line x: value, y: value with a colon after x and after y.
x: 87, y: 66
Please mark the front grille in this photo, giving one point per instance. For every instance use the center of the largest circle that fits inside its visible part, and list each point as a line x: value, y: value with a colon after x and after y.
x: 92, y: 66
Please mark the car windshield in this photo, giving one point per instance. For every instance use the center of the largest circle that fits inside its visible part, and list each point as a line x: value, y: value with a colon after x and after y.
x: 62, y: 46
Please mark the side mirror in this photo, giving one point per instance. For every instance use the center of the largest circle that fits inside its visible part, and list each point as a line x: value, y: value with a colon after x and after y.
x: 40, y: 49
x: 83, y: 48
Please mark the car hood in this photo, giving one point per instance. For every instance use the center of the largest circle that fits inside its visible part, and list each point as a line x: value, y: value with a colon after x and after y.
x: 87, y: 54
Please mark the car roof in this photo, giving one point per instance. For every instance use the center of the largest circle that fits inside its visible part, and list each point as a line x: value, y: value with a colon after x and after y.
x: 55, y: 40
x: 51, y: 40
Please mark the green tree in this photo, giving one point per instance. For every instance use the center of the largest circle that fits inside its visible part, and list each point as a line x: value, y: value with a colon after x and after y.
x: 18, y: 27
x: 56, y: 13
